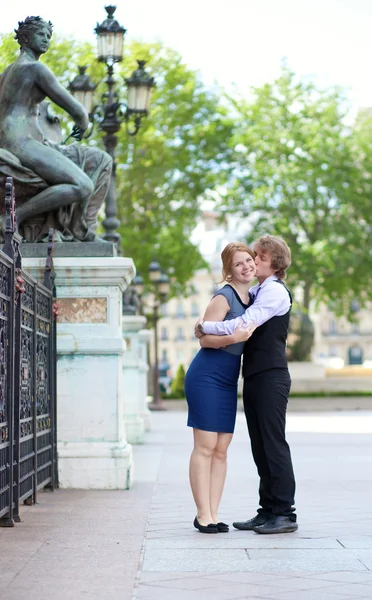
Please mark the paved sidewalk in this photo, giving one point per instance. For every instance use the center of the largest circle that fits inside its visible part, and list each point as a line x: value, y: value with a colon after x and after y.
x: 141, y: 545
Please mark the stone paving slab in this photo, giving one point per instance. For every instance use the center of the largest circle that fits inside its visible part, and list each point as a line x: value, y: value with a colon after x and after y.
x: 248, y: 542
x: 75, y: 544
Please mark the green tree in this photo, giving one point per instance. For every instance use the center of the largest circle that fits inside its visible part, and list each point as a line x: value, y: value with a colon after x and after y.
x: 298, y: 172
x: 177, y: 389
x: 300, y: 337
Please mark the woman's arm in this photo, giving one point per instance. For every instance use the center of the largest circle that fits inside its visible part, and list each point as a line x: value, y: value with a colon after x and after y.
x: 49, y: 84
x: 215, y: 341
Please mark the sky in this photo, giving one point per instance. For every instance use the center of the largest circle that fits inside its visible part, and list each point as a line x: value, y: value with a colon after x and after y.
x: 239, y: 42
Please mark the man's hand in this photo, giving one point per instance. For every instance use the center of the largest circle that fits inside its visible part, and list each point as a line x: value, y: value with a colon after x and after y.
x: 242, y: 334
x: 198, y: 332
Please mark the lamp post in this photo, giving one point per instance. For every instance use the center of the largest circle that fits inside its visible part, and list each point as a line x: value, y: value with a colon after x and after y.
x: 112, y: 111
x: 160, y: 289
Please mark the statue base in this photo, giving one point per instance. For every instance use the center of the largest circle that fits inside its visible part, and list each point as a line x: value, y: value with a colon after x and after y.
x: 67, y: 249
x: 135, y: 368
x: 93, y: 451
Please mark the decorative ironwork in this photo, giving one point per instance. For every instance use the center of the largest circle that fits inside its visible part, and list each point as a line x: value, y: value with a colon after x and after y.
x: 27, y: 376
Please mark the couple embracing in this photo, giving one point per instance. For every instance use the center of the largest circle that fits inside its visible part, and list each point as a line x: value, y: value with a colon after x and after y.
x: 253, y: 322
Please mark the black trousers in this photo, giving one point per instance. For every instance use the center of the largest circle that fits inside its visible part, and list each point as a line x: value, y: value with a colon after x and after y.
x: 265, y: 397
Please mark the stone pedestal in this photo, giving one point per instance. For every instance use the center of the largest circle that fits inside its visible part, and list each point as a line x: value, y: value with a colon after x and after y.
x: 135, y: 367
x: 93, y: 451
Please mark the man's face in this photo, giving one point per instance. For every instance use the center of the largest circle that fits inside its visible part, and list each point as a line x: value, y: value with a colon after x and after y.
x: 263, y: 264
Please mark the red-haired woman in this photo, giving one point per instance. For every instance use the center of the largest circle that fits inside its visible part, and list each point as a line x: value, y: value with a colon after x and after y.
x: 211, y: 388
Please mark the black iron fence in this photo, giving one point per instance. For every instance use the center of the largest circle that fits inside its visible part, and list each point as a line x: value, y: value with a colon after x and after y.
x: 28, y: 457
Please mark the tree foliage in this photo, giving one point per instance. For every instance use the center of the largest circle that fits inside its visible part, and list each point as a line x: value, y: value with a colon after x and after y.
x: 299, y: 171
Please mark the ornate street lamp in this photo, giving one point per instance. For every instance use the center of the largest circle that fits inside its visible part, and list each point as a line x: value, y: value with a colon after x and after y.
x: 110, y: 38
x: 160, y: 289
x: 82, y: 88
x: 112, y: 111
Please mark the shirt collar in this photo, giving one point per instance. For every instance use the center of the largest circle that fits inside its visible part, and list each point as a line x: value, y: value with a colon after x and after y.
x: 253, y: 290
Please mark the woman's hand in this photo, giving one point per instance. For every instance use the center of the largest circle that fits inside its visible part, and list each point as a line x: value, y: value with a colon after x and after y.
x: 197, y: 332
x: 242, y: 334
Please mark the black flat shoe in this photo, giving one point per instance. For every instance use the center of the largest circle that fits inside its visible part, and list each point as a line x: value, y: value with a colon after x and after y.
x: 222, y: 527
x: 211, y: 528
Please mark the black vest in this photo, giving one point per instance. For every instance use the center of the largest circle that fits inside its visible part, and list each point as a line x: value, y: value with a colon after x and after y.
x: 266, y: 348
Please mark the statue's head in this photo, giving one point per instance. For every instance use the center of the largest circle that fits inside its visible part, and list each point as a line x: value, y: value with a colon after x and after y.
x: 34, y: 33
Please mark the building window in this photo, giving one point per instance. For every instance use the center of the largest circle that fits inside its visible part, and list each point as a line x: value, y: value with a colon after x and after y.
x: 355, y: 328
x: 164, y: 333
x: 355, y: 307
x: 355, y: 355
x: 194, y: 309
x: 164, y: 310
x: 180, y: 313
x: 332, y: 327
x: 180, y: 335
x: 179, y: 355
x: 194, y: 352
x: 164, y: 355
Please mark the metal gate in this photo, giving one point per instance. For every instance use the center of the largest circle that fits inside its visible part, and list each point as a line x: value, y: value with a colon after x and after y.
x: 28, y: 458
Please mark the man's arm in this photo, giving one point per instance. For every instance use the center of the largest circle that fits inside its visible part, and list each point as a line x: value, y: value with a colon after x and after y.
x: 221, y: 341
x: 272, y: 300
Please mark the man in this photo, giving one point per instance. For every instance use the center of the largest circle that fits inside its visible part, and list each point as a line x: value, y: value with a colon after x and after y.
x: 266, y: 386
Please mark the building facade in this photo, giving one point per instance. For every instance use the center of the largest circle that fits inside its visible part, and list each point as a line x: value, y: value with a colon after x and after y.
x: 177, y: 343
x: 340, y: 342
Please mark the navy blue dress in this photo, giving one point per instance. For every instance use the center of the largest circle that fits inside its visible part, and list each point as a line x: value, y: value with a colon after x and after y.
x: 211, y: 382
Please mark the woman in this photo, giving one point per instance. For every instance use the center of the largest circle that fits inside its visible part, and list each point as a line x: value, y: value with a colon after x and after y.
x: 211, y: 388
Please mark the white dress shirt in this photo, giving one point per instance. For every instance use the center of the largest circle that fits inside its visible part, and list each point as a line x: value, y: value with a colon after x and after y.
x: 271, y: 299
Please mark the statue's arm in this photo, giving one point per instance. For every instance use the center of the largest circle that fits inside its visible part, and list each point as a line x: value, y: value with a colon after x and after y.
x: 49, y: 84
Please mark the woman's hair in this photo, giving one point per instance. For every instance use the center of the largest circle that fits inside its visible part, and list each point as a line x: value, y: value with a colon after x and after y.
x: 227, y: 256
x: 280, y: 253
x: 28, y: 26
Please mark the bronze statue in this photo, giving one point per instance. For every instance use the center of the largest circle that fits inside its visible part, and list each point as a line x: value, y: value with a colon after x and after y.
x: 56, y: 185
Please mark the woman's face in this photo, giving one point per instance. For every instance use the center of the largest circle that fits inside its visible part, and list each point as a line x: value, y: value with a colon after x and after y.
x: 39, y: 39
x: 243, y: 268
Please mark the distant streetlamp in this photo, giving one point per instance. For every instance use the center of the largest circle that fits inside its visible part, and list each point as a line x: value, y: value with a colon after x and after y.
x: 112, y: 111
x: 160, y: 290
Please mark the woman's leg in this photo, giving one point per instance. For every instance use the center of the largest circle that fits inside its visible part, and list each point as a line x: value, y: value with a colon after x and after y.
x: 200, y: 472
x: 218, y: 472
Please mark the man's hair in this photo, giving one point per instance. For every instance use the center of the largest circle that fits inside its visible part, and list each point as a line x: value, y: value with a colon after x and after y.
x: 29, y: 25
x: 227, y: 256
x: 280, y: 253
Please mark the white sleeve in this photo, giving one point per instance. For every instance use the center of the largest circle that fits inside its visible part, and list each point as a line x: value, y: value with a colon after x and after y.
x: 272, y: 300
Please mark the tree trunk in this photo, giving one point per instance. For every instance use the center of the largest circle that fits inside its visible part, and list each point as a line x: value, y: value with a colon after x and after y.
x: 307, y: 296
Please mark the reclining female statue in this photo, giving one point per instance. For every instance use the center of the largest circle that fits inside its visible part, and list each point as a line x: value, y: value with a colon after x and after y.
x: 68, y: 183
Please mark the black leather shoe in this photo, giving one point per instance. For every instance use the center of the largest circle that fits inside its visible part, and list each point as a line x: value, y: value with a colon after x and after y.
x: 222, y: 527
x: 211, y: 528
x: 277, y: 525
x: 249, y: 525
